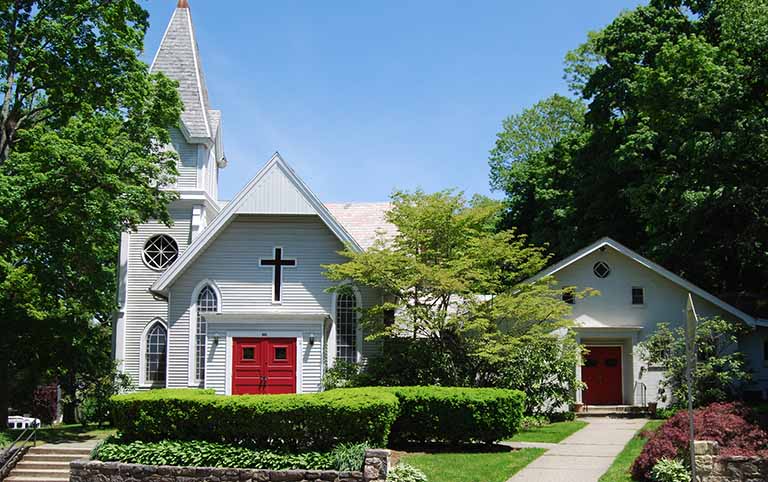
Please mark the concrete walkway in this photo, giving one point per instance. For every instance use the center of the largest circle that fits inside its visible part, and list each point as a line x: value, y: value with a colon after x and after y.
x: 585, y: 455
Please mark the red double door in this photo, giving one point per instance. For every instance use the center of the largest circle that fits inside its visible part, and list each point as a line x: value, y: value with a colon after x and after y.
x: 602, y: 374
x: 263, y: 366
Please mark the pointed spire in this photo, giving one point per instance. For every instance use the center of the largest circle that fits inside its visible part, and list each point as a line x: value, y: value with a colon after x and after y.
x: 178, y: 58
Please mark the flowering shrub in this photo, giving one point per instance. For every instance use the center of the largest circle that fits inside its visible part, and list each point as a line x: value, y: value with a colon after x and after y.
x: 728, y: 424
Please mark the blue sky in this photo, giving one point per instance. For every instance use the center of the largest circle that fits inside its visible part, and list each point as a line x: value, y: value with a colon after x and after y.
x: 365, y: 97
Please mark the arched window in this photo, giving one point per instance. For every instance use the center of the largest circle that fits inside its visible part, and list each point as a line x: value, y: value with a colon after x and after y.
x: 346, y: 327
x: 156, y: 354
x: 207, y: 302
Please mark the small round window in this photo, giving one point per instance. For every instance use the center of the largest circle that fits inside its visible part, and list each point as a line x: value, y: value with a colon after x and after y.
x: 160, y: 251
x: 601, y: 269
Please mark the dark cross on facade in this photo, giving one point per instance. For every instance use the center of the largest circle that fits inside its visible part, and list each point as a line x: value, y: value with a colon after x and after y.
x: 277, y: 268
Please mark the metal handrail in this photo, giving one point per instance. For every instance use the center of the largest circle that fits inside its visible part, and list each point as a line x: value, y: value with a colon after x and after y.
x: 29, y: 433
x: 643, y: 393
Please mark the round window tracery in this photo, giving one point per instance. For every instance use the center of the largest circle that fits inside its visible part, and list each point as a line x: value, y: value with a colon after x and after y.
x: 160, y: 251
x: 601, y: 269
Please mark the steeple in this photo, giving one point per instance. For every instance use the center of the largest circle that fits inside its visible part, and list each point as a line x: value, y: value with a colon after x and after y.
x: 179, y: 58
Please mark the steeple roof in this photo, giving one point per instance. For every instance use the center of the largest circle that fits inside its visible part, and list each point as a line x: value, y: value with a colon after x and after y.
x: 179, y: 58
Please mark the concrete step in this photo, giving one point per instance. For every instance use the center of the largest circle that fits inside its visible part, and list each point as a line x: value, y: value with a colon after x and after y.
x: 33, y: 457
x: 37, y: 465
x: 613, y: 411
x: 40, y: 473
x: 54, y: 450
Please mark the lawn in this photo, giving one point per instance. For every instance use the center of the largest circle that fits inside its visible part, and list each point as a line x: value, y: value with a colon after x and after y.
x: 61, y: 433
x: 472, y: 466
x: 551, y: 433
x: 619, y: 470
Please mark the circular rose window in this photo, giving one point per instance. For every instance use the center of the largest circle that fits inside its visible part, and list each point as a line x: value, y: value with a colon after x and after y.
x: 601, y: 269
x: 160, y: 251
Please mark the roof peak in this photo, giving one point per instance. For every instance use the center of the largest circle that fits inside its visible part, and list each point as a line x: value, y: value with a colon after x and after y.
x: 178, y: 57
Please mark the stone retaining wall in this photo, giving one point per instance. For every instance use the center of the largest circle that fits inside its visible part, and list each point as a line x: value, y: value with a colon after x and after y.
x: 374, y: 470
x: 8, y: 461
x: 711, y: 467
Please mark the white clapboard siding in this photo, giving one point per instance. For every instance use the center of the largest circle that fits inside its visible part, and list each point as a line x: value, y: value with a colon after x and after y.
x: 311, y: 355
x: 232, y: 263
x: 187, y: 162
x: 141, y: 307
x: 276, y: 194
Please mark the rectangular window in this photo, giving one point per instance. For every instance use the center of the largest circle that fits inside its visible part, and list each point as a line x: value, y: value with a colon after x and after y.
x: 248, y: 353
x: 638, y: 296
x: 765, y: 353
x: 281, y: 353
x: 568, y: 296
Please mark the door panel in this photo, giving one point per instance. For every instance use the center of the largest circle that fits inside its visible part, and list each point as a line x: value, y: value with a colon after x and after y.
x: 280, y: 365
x: 602, y: 374
x: 247, y: 366
x: 263, y: 365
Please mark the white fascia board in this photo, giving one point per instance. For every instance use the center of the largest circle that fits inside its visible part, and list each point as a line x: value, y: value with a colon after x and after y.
x: 228, y: 214
x: 665, y: 273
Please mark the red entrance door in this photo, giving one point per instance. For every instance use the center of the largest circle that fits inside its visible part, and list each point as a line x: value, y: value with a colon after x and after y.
x: 602, y: 374
x: 263, y: 365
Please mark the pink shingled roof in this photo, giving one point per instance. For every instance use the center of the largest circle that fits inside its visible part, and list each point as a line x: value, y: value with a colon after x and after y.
x: 363, y: 221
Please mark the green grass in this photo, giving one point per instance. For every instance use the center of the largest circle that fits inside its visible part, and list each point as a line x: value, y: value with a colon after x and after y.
x: 619, y: 470
x: 472, y: 467
x: 551, y: 433
x: 61, y: 433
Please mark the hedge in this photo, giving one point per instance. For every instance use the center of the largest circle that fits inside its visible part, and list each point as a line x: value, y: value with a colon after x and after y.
x: 317, y: 421
x: 456, y: 415
x: 323, y: 420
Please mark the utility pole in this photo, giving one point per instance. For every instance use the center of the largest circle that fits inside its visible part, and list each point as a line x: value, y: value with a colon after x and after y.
x: 690, y: 351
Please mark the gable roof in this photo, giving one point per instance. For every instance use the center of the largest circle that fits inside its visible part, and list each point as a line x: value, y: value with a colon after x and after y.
x: 276, y: 189
x: 663, y: 272
x: 179, y: 58
x: 364, y: 221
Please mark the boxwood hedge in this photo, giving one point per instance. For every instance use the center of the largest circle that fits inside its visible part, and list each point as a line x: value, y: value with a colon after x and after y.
x: 285, y: 422
x: 456, y: 415
x: 321, y: 421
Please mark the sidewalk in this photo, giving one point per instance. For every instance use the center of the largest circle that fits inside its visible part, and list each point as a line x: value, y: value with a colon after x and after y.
x: 585, y: 455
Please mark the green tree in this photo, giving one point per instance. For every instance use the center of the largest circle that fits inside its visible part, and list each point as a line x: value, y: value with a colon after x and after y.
x: 720, y: 369
x: 532, y: 163
x: 458, y: 287
x: 82, y: 158
x: 673, y: 158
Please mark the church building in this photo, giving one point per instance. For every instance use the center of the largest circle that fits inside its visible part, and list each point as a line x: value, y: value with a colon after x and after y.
x: 233, y: 297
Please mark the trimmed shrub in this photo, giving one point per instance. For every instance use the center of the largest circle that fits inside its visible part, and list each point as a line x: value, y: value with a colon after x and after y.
x: 317, y: 421
x: 456, y: 415
x: 207, y: 454
x: 728, y: 424
x: 324, y: 420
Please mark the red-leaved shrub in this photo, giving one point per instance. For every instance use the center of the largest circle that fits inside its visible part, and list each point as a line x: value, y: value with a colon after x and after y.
x: 729, y: 424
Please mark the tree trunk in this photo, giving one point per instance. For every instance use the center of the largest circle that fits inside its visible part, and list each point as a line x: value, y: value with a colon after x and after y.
x: 69, y: 394
x: 5, y: 387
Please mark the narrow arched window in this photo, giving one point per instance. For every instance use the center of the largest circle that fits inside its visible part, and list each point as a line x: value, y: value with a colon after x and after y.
x: 346, y: 327
x: 156, y: 354
x: 207, y: 302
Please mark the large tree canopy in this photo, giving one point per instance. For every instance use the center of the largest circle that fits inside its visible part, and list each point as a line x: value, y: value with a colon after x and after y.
x: 82, y: 158
x: 673, y: 156
x: 464, y: 313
